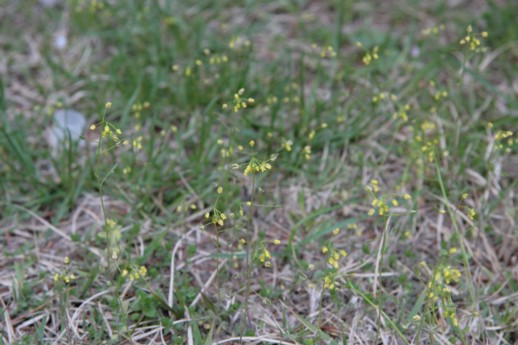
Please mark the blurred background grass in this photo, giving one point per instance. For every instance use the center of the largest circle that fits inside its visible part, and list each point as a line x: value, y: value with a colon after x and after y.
x: 168, y: 67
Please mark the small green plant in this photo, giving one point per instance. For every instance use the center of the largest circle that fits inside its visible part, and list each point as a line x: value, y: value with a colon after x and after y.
x: 257, y: 176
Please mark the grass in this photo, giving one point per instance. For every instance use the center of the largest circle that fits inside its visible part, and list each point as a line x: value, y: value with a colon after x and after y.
x: 285, y: 172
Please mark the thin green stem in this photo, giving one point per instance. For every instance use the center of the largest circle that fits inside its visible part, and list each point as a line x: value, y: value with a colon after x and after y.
x: 461, y: 242
x: 382, y: 253
x: 97, y: 159
x: 217, y: 265
x: 249, y: 251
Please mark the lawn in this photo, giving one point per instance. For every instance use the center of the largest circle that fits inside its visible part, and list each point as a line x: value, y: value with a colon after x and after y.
x: 258, y: 172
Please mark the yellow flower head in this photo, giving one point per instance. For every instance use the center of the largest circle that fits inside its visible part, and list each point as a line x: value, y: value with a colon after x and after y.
x: 142, y: 270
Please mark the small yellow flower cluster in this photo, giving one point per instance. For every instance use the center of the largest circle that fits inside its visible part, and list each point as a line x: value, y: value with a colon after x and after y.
x: 333, y: 255
x: 169, y: 21
x: 218, y: 59
x: 381, y: 203
x: 50, y: 109
x: 110, y: 131
x: 354, y: 227
x: 292, y: 92
x: 133, y: 273
x: 500, y: 135
x: 307, y: 152
x: 325, y: 52
x: 239, y: 42
x: 235, y: 262
x: 374, y: 186
x: 271, y: 100
x: 66, y: 277
x: 226, y: 152
x: 433, y: 30
x: 440, y: 94
x: 452, y: 315
x: 241, y: 244
x: 402, y: 113
x: 217, y: 217
x: 185, y: 207
x: 383, y: 96
x: 329, y: 281
x: 112, y: 234
x: 229, y: 151
x: 286, y: 145
x: 370, y: 55
x: 428, y: 147
x: 472, y: 214
x: 503, y: 140
x: 427, y: 139
x: 472, y: 40
x: 450, y: 274
x: 313, y: 132
x: 264, y: 256
x: 428, y: 126
x: 239, y: 102
x: 91, y: 5
x: 255, y: 165
x: 137, y: 143
x: 137, y: 109
x: 341, y: 118
x: 438, y: 288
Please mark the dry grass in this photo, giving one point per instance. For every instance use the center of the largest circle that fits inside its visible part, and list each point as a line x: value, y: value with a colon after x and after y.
x: 287, y: 303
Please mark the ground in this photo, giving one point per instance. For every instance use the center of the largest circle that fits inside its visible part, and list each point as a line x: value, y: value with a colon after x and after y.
x: 269, y: 172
